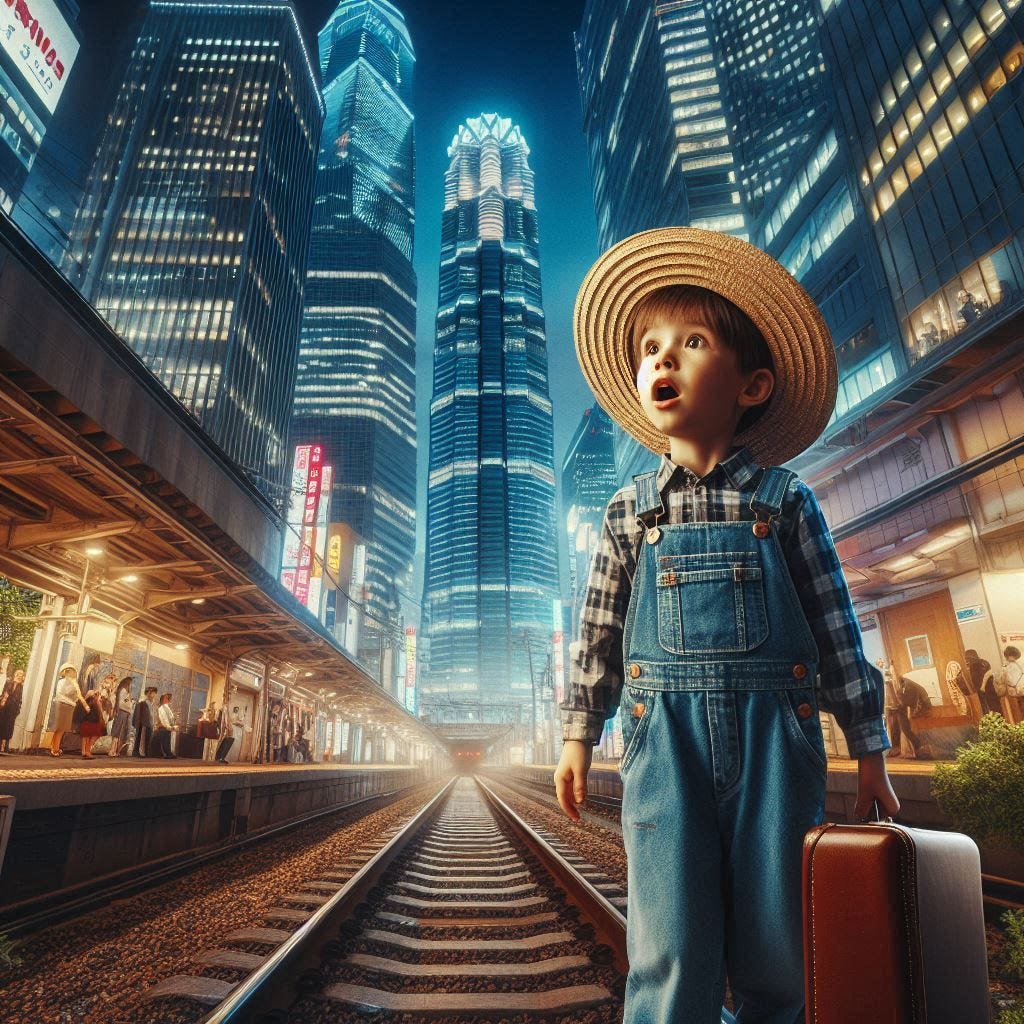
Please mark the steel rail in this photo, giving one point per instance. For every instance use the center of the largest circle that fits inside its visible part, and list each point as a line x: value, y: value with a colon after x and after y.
x: 603, y: 915
x: 267, y: 987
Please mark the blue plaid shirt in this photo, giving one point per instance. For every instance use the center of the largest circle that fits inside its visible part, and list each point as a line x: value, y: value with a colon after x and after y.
x: 848, y: 687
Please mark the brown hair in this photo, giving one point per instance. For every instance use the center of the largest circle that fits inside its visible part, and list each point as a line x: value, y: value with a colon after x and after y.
x: 678, y: 302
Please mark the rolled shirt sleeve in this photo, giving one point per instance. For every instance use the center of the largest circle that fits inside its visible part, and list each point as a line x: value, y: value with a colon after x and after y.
x: 850, y: 688
x: 595, y: 658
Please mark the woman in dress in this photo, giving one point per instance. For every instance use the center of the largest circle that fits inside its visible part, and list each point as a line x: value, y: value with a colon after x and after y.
x: 93, y: 725
x: 123, y: 705
x: 10, y: 705
x: 68, y: 695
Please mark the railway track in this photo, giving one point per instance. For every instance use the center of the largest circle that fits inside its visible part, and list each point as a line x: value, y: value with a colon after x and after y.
x: 466, y: 913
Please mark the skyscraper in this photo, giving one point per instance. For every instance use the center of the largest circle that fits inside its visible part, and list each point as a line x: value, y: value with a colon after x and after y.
x: 355, y: 393
x: 491, y: 575
x: 793, y: 170
x: 193, y: 232
x: 657, y: 137
x: 776, y: 95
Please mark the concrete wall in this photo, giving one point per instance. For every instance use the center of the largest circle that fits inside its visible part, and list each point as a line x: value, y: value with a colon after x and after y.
x: 69, y: 831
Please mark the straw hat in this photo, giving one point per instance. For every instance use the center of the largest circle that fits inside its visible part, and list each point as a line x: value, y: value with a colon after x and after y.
x: 794, y: 329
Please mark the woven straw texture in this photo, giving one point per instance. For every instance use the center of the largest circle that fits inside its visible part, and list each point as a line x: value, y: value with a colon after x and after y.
x: 796, y: 333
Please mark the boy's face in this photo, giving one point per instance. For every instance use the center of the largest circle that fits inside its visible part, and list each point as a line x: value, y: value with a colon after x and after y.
x: 689, y: 382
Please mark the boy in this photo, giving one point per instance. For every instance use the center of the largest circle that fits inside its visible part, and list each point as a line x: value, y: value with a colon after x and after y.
x: 717, y: 592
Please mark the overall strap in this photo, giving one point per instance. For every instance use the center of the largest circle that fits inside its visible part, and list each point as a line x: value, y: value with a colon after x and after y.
x: 767, y: 500
x: 649, y: 506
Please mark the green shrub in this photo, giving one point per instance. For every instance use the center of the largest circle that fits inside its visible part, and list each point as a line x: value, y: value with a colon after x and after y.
x: 981, y: 791
x: 1013, y: 943
x: 1014, y: 1015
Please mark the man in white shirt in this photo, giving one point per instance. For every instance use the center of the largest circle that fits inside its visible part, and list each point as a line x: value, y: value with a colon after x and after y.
x: 165, y: 725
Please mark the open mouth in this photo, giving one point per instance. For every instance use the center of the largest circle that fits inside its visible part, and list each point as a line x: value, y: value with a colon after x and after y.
x: 664, y: 391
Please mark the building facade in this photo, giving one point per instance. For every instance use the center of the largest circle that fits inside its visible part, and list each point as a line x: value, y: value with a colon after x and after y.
x: 491, y: 575
x: 355, y: 391
x: 192, y: 236
x: 921, y: 484
x: 657, y: 136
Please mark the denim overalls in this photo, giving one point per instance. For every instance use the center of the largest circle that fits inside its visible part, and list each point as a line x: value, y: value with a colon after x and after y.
x: 723, y: 769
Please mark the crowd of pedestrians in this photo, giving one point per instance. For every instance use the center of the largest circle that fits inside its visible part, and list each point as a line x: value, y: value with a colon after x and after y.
x: 140, y: 728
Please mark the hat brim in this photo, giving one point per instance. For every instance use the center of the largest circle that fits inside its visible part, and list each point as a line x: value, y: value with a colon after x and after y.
x: 796, y: 333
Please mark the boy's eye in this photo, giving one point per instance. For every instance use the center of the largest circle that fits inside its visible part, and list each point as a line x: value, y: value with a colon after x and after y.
x: 650, y: 348
x: 694, y: 338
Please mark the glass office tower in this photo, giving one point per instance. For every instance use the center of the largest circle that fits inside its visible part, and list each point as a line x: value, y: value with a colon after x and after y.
x: 930, y: 96
x: 775, y: 88
x: 192, y: 236
x: 652, y: 113
x: 355, y: 392
x: 491, y: 575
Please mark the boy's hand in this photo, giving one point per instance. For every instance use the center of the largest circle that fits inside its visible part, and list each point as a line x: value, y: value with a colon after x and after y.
x: 873, y: 784
x: 571, y: 776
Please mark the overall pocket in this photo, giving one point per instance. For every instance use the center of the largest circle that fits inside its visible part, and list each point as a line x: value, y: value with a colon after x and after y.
x: 800, y: 714
x: 634, y: 726
x: 711, y: 603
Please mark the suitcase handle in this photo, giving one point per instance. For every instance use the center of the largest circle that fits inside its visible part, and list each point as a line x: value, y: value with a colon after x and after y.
x: 877, y: 819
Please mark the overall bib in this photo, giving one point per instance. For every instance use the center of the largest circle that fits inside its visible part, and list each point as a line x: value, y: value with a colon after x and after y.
x: 723, y: 769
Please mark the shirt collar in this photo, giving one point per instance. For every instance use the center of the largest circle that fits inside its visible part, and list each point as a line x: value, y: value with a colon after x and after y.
x: 737, y: 467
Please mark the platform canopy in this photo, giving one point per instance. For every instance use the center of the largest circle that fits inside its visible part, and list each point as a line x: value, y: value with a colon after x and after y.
x: 110, y: 496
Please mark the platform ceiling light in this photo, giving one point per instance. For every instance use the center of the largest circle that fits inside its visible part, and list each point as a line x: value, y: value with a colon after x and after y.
x: 181, y: 647
x: 198, y: 600
x: 130, y: 578
x: 93, y: 551
x: 308, y: 674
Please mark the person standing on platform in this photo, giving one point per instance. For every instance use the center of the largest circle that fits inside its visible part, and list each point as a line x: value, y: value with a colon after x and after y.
x: 10, y: 703
x: 717, y: 619
x: 123, y: 705
x: 230, y: 729
x: 144, y: 718
x: 93, y: 725
x: 166, y: 726
x: 983, y: 681
x: 1011, y: 683
x: 68, y: 696
x: 210, y: 732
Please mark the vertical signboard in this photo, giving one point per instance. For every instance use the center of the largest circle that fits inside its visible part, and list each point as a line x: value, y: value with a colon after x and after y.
x: 309, y: 513
x: 293, y: 528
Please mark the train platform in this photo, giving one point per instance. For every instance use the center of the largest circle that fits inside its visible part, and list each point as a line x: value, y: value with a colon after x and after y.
x: 76, y: 820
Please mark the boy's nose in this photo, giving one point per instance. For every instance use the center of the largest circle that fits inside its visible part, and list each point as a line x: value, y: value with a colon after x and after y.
x: 667, y: 363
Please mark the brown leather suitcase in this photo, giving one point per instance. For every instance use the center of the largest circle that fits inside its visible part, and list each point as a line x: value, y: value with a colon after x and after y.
x: 894, y: 931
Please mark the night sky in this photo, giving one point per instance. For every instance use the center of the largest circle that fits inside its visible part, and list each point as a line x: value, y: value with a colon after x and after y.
x: 516, y: 59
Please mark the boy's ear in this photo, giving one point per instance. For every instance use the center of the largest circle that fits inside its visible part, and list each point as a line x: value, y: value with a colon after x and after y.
x: 758, y: 388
